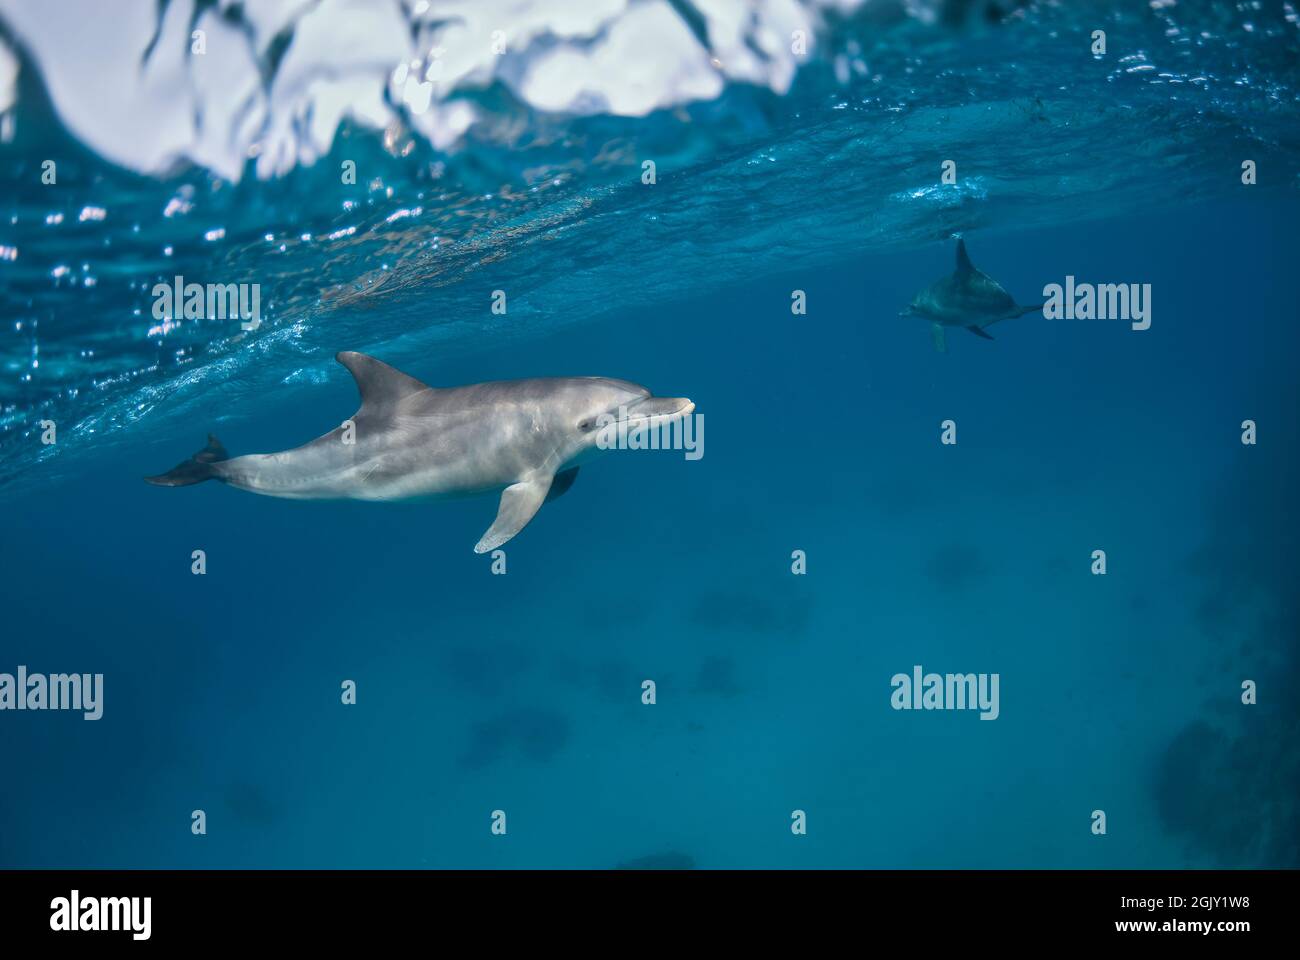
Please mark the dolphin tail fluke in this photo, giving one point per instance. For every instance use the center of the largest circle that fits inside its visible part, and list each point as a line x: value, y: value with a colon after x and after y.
x: 940, y: 342
x: 194, y: 470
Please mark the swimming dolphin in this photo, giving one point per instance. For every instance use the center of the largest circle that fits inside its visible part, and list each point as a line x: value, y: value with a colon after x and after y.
x: 412, y: 441
x: 967, y: 299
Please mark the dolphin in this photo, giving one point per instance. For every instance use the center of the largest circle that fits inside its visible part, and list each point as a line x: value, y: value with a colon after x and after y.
x: 967, y: 299
x: 410, y: 441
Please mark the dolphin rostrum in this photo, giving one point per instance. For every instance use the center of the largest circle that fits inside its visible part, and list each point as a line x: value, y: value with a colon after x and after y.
x: 409, y: 441
x: 967, y: 299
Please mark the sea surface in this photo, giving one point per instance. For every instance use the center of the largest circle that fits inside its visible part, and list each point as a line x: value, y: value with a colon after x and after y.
x: 478, y: 692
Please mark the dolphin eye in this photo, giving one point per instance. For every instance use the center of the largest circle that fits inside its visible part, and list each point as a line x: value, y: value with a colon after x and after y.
x: 586, y: 425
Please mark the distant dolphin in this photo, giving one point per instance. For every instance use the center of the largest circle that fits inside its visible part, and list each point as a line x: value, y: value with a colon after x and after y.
x: 966, y: 299
x: 412, y: 441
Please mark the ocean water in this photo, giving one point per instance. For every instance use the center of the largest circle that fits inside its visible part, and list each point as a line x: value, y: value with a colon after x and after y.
x: 522, y: 692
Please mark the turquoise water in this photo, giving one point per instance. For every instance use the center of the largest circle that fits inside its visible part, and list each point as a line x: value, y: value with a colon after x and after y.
x: 478, y: 692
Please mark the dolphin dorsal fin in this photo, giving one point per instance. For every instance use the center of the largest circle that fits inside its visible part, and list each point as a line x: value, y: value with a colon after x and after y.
x: 964, y: 266
x: 378, y: 383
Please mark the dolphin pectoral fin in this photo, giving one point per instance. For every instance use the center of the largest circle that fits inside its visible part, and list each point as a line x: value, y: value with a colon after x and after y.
x: 561, y: 484
x: 519, y: 504
x: 978, y: 332
x: 936, y: 334
x: 378, y: 383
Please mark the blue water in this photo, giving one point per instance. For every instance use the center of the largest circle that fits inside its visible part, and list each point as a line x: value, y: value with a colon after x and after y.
x: 522, y: 692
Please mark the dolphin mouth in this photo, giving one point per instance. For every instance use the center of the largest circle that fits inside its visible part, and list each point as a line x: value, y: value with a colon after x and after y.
x: 656, y: 410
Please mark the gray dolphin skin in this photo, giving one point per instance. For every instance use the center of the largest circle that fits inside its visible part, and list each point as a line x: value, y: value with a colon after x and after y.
x: 967, y: 299
x: 410, y: 441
